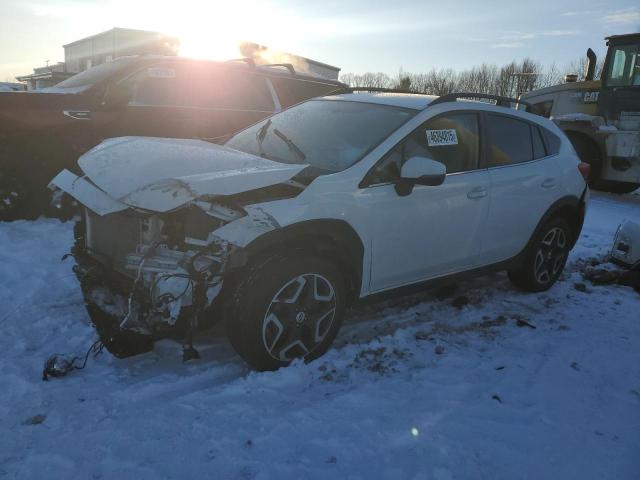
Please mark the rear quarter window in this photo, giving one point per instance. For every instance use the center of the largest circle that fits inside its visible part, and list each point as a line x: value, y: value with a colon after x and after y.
x: 538, y: 144
x: 552, y: 141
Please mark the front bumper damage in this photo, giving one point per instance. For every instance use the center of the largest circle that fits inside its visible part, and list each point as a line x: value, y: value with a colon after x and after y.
x: 157, y: 292
x: 156, y: 244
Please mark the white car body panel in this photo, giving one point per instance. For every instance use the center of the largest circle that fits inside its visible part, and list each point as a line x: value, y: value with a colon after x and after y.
x: 444, y: 223
x: 430, y: 233
x: 161, y: 174
x: 337, y: 196
x: 86, y: 193
x: 529, y: 187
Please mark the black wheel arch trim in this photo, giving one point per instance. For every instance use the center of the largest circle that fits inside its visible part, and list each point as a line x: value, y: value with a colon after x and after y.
x: 323, y: 236
x: 560, y: 206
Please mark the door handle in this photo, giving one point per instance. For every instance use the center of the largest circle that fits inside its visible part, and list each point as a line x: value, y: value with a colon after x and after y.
x: 478, y: 192
x: 549, y: 183
x: 77, y: 114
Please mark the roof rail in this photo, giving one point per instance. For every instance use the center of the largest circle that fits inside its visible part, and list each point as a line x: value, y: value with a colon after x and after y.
x: 249, y: 61
x: 339, y: 91
x: 450, y: 97
x: 288, y: 66
x: 500, y: 101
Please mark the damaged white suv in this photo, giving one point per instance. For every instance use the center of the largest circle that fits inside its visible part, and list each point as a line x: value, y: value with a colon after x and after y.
x: 296, y: 217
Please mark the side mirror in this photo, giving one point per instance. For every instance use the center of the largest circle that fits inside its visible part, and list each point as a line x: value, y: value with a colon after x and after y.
x: 420, y: 171
x: 117, y: 97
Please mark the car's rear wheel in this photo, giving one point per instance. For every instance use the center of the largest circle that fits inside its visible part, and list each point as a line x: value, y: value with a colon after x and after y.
x: 285, y: 308
x: 545, y: 258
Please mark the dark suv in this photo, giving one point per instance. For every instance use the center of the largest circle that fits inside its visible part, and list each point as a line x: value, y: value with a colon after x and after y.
x: 43, y: 131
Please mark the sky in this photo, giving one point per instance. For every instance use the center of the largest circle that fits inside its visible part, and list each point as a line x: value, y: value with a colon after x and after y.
x: 356, y: 35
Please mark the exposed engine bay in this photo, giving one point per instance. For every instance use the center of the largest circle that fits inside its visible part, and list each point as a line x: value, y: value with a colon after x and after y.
x: 146, y: 277
x: 144, y: 281
x: 151, y: 255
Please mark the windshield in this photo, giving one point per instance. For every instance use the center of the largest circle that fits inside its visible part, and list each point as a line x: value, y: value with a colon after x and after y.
x: 95, y: 74
x: 330, y: 135
x: 624, y: 66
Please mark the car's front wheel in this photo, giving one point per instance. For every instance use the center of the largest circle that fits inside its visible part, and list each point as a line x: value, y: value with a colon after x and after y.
x: 546, y: 257
x: 286, y: 307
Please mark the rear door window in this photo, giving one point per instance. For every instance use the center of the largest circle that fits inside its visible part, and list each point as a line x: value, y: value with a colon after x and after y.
x: 509, y: 141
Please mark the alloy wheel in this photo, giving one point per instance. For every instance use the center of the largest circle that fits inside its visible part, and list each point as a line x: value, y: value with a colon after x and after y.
x: 299, y: 317
x: 550, y: 255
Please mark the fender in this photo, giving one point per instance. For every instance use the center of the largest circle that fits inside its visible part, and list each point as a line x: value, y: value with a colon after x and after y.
x: 568, y: 203
x: 332, y: 236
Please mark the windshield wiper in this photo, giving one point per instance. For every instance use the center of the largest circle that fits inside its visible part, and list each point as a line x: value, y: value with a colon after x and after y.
x: 292, y: 146
x: 262, y: 132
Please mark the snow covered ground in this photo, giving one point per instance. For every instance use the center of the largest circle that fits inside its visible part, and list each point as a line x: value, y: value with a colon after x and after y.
x: 420, y: 387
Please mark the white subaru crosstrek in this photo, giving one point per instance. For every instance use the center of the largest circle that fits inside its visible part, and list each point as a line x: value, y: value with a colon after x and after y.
x: 295, y: 218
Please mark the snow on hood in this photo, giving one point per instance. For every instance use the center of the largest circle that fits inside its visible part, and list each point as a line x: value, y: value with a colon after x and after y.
x: 161, y: 174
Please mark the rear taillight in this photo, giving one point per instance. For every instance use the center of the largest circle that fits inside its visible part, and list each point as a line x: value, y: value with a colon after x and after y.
x: 585, y: 169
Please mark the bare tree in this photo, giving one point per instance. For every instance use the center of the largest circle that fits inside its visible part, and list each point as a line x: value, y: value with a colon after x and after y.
x: 509, y: 80
x: 403, y: 81
x: 579, y: 67
x: 368, y: 79
x: 550, y: 76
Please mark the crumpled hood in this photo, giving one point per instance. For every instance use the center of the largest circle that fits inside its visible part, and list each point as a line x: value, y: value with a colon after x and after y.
x: 161, y: 174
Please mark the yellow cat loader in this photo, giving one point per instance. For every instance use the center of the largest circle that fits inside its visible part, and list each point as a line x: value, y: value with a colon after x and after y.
x: 602, y: 117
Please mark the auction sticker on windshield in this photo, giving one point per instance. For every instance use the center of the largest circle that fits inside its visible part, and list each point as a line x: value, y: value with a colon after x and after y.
x: 437, y: 138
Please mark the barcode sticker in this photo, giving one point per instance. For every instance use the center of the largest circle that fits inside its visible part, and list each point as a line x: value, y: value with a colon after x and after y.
x: 438, y: 138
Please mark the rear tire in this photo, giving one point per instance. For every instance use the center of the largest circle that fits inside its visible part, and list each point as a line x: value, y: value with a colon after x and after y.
x: 286, y: 307
x: 545, y: 258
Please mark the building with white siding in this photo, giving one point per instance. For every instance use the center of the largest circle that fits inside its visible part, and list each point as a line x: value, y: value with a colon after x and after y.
x: 97, y: 49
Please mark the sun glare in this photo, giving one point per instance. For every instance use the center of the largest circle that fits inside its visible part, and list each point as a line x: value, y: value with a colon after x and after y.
x: 214, y: 30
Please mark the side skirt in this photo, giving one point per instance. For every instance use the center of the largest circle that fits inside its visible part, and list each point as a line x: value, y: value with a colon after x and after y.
x: 438, y: 282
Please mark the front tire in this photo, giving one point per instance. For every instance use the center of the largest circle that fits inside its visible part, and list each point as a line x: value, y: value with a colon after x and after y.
x: 545, y: 258
x: 286, y: 307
